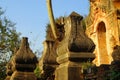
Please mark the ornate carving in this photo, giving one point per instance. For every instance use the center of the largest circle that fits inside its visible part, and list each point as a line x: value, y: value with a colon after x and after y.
x: 25, y: 56
x: 78, y: 40
x: 75, y: 39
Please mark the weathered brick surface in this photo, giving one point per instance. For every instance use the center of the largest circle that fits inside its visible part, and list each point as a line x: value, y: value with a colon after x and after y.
x: 103, y: 15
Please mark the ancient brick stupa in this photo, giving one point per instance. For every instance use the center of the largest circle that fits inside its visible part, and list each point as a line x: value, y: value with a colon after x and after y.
x: 24, y: 62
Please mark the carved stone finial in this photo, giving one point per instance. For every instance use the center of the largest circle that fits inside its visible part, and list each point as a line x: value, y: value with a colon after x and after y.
x: 78, y: 40
x: 25, y: 62
x: 25, y: 55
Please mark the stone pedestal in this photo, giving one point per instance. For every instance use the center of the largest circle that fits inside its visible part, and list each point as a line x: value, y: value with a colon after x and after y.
x: 70, y: 67
x: 17, y: 75
x: 68, y: 71
x: 73, y: 49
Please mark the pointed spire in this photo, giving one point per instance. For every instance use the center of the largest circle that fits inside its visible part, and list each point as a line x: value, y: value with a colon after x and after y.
x: 25, y: 55
x: 74, y: 14
x: 24, y: 58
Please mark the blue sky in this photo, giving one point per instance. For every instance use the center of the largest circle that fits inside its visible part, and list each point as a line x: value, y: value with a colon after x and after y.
x: 31, y: 16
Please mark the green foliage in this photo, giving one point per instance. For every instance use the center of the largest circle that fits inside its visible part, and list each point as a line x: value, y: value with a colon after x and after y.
x: 115, y: 75
x: 111, y: 75
x: 114, y: 72
x: 86, y: 66
x: 9, y: 39
x: 37, y: 72
x: 2, y: 71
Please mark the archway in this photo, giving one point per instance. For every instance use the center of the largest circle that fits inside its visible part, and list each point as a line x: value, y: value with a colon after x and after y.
x: 102, y: 46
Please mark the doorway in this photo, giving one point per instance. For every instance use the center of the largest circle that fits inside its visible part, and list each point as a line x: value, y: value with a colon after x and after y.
x: 102, y: 46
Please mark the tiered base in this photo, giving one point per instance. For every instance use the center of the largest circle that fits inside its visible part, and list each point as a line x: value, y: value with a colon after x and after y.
x: 70, y: 67
x: 23, y: 76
